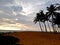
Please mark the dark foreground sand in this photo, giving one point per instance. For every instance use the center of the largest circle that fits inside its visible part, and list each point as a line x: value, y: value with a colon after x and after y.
x: 37, y: 38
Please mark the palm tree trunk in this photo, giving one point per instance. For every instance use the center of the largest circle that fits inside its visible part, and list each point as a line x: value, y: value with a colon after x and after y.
x: 53, y: 26
x: 45, y: 27
x: 57, y: 28
x: 48, y: 25
x: 40, y: 26
x: 52, y: 23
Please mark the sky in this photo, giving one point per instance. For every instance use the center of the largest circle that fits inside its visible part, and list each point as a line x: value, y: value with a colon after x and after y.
x: 19, y: 14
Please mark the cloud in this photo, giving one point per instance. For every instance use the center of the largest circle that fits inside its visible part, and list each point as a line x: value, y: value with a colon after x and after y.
x: 5, y: 2
x: 22, y: 11
x: 16, y: 8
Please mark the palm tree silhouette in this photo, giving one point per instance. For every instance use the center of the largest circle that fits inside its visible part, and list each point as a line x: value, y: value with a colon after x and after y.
x: 47, y: 19
x: 51, y: 12
x: 58, y: 6
x: 57, y: 19
x: 41, y: 18
x: 44, y: 18
x: 37, y: 19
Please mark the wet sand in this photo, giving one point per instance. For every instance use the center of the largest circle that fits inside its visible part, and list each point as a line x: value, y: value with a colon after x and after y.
x: 37, y: 38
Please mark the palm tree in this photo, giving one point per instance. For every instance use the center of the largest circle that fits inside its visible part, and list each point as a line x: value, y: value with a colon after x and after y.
x: 57, y: 19
x: 40, y: 18
x: 43, y: 19
x: 51, y: 12
x: 37, y: 19
x: 58, y: 6
x: 46, y: 19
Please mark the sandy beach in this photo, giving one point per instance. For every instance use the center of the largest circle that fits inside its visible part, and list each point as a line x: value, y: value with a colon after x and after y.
x: 37, y: 38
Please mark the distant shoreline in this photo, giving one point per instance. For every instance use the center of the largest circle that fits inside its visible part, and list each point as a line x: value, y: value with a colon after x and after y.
x: 12, y: 31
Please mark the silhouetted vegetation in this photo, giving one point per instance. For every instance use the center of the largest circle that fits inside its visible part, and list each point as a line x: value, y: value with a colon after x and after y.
x: 40, y: 18
x: 9, y: 40
x: 52, y: 12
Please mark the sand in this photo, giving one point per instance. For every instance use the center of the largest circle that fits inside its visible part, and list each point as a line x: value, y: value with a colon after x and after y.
x: 37, y: 38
